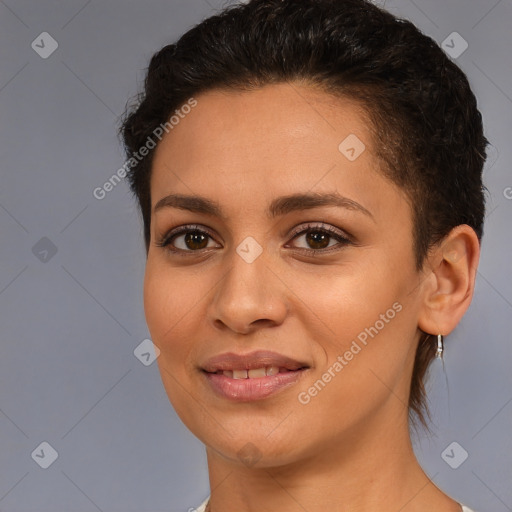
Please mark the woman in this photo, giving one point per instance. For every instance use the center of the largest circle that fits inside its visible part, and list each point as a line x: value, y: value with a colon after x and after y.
x: 309, y: 177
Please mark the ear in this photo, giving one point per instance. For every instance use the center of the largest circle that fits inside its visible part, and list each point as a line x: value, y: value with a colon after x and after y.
x: 449, y: 281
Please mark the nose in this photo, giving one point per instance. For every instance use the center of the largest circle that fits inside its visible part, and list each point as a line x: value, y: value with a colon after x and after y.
x: 249, y: 296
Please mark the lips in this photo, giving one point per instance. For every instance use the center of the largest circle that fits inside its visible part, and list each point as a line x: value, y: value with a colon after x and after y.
x: 252, y: 376
x: 252, y: 361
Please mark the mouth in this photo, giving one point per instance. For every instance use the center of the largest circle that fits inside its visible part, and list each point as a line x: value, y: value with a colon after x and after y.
x: 252, y: 376
x: 255, y: 373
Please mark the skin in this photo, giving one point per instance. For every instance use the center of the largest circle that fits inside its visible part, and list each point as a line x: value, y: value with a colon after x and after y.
x: 349, y: 447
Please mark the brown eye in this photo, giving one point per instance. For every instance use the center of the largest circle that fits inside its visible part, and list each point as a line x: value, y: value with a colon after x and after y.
x: 195, y: 240
x: 318, y: 238
x: 186, y: 239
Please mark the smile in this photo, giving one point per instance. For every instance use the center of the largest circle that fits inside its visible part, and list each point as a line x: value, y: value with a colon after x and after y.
x: 253, y: 376
x: 256, y: 373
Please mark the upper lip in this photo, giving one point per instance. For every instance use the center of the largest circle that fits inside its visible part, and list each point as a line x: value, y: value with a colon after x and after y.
x: 250, y: 361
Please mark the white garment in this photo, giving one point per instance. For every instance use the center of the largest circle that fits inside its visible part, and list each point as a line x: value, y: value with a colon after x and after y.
x: 202, y: 507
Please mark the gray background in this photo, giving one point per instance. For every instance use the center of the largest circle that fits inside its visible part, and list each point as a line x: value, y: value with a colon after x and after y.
x: 70, y: 321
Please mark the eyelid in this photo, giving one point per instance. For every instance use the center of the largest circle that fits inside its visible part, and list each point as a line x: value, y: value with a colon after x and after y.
x: 320, y: 226
x: 165, y: 239
x: 342, y: 236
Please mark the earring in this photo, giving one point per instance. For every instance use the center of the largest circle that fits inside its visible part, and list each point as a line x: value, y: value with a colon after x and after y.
x: 440, y: 346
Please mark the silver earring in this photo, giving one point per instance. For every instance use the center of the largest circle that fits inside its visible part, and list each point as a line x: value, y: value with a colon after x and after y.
x: 440, y: 346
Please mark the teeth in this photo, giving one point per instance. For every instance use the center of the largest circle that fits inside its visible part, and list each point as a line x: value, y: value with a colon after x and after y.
x: 255, y: 373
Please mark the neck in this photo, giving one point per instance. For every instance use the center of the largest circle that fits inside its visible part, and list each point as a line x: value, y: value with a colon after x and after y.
x: 369, y: 469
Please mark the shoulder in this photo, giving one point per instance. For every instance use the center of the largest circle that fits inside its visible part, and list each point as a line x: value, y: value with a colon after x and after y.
x: 202, y: 507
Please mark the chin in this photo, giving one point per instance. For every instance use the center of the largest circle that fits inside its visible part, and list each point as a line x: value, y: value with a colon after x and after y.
x: 254, y: 454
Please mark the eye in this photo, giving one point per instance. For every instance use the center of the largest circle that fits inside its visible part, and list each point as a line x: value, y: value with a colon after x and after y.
x: 193, y: 239
x: 318, y: 237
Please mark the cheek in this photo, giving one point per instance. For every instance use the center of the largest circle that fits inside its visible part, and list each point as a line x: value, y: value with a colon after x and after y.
x: 169, y: 302
x: 352, y: 299
x: 368, y: 319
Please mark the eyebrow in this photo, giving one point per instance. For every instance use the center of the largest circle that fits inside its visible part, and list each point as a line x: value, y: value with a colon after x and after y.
x: 279, y: 206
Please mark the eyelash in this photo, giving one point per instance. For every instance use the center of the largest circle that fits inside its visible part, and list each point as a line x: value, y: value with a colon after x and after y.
x: 166, y: 240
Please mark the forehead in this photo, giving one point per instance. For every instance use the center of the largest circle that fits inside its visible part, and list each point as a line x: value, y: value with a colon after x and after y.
x: 275, y: 139
x: 274, y: 113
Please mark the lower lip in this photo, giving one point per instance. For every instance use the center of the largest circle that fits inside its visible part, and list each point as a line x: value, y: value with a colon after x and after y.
x: 247, y: 390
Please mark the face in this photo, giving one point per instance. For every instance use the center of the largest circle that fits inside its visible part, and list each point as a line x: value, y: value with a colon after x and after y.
x: 286, y: 316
